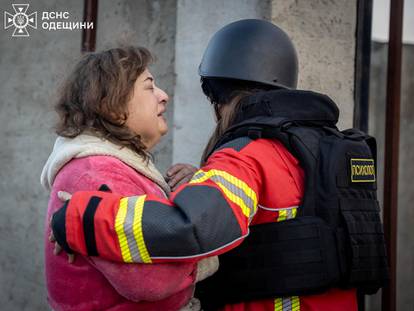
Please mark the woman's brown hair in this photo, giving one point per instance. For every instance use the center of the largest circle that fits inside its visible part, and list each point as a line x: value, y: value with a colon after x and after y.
x: 95, y: 95
x: 224, y: 121
x: 226, y: 92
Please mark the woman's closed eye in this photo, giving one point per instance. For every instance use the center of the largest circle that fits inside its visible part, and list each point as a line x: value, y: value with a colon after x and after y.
x: 149, y: 83
x: 149, y: 87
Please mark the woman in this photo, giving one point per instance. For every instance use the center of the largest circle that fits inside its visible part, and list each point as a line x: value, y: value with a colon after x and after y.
x: 111, y: 115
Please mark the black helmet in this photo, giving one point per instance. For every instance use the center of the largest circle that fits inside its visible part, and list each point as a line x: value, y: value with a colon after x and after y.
x: 251, y: 50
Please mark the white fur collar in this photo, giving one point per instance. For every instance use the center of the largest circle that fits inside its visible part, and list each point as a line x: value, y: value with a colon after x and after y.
x: 84, y: 145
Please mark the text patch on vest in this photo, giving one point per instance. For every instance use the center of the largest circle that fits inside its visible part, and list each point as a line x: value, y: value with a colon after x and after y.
x: 362, y: 170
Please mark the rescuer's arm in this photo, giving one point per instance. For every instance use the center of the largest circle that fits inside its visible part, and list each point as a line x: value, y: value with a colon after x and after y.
x: 161, y: 280
x: 205, y: 217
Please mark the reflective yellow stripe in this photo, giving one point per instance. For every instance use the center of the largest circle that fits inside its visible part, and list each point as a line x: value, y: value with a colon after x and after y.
x: 137, y: 229
x: 288, y: 213
x: 202, y: 176
x: 119, y: 228
x: 240, y: 183
x: 287, y: 304
x: 278, y: 304
x: 295, y: 303
x: 230, y: 178
x: 235, y: 199
x: 282, y: 215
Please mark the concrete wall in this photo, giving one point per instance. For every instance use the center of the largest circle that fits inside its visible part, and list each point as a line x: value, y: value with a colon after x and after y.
x: 324, y: 35
x: 150, y: 24
x: 177, y: 32
x: 31, y: 70
x: 193, y: 116
x: 405, y: 257
x: 322, y: 31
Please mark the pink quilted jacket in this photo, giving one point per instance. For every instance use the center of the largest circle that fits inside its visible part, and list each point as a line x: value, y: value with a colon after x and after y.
x: 95, y: 284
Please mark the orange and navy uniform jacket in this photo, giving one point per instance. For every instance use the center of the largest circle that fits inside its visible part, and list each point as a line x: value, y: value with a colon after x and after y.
x: 245, y: 182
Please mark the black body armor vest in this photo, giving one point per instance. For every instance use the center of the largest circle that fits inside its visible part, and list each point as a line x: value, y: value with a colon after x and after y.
x: 337, y: 239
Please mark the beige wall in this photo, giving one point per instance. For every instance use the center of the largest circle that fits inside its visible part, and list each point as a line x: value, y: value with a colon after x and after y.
x: 324, y: 35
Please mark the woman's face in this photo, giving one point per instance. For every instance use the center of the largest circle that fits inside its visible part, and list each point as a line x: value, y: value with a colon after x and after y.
x: 146, y: 108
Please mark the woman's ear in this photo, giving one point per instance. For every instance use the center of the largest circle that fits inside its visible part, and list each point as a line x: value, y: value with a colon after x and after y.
x: 114, y: 115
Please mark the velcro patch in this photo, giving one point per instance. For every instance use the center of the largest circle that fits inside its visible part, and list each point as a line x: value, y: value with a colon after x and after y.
x: 362, y: 170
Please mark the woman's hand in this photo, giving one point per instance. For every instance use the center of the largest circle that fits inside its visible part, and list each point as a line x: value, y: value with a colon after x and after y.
x: 179, y: 174
x: 63, y: 196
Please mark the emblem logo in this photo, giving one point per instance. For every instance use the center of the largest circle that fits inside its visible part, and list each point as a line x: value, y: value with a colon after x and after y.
x: 20, y: 20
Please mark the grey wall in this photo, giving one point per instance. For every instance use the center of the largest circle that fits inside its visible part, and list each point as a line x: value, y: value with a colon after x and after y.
x: 31, y: 70
x: 192, y: 113
x: 150, y: 24
x: 176, y: 31
x: 324, y: 35
x: 405, y: 255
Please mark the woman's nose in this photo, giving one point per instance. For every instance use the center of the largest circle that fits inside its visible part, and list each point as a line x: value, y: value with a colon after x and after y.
x: 162, y: 96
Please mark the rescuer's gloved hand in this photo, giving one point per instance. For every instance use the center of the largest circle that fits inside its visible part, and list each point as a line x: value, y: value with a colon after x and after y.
x: 55, y: 235
x: 179, y: 174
